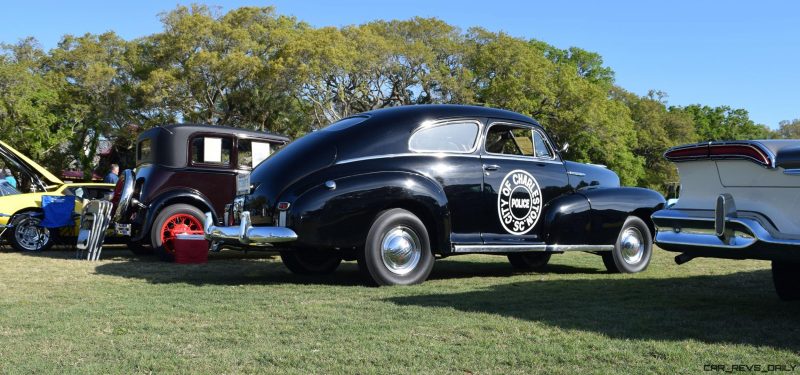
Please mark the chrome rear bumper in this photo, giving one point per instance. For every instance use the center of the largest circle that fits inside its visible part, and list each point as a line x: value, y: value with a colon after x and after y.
x: 245, y: 233
x: 721, y: 229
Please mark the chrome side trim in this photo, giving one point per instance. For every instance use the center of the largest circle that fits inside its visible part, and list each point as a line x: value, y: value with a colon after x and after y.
x: 792, y: 172
x: 390, y: 156
x: 245, y: 233
x: 579, y: 174
x: 521, y: 157
x: 467, y: 249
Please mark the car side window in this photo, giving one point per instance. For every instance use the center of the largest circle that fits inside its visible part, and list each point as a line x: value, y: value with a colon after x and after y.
x: 540, y: 147
x: 211, y: 150
x: 251, y: 152
x: 510, y: 140
x: 457, y: 136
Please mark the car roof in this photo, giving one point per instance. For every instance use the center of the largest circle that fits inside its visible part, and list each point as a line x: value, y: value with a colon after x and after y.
x: 185, y: 130
x: 387, y: 130
x: 440, y: 111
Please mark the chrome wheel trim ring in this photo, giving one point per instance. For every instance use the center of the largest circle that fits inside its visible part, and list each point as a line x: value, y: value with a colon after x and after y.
x: 632, y: 246
x: 401, y: 250
x: 30, y: 236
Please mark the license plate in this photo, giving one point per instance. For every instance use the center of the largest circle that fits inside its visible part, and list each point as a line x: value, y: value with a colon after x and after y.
x: 243, y: 184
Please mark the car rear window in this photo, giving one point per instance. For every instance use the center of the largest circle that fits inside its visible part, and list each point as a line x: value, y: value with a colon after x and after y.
x: 144, y: 151
x: 459, y: 136
x: 212, y: 150
x: 252, y: 152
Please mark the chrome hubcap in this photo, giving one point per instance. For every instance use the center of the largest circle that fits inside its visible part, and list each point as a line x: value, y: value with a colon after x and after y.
x: 401, y: 250
x: 30, y: 236
x: 632, y: 244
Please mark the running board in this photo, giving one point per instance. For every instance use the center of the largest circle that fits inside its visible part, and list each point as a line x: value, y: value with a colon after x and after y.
x: 466, y: 249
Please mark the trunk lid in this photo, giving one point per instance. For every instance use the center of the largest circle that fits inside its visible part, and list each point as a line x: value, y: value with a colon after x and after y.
x: 31, y: 166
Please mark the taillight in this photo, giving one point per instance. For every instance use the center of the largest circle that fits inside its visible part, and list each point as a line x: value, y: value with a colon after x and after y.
x: 722, y: 150
x: 740, y: 151
x: 118, y: 190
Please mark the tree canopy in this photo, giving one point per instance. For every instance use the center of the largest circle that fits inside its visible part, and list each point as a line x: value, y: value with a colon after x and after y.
x: 254, y: 68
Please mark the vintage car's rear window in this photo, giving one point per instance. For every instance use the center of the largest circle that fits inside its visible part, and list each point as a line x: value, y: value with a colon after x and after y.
x: 252, y: 152
x: 144, y: 152
x: 459, y: 136
x: 211, y: 150
x: 345, y: 123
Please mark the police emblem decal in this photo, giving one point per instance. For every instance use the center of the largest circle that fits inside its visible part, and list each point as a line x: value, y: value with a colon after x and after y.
x: 519, y: 202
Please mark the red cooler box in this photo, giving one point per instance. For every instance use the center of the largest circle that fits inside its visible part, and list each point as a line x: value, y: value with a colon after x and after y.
x: 190, y: 248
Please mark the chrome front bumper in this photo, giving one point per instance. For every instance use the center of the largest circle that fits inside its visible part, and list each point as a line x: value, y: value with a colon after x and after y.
x: 722, y: 228
x: 245, y: 233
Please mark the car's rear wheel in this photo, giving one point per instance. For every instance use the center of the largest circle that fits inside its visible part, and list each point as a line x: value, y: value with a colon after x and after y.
x: 397, y: 250
x: 633, y: 249
x: 311, y: 262
x: 786, y: 277
x: 171, y: 221
x: 529, y: 261
x: 27, y: 234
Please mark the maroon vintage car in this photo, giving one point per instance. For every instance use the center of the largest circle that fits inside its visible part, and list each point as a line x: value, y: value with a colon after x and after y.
x: 181, y: 172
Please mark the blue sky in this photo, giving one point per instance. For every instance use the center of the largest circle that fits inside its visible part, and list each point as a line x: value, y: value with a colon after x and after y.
x: 741, y: 54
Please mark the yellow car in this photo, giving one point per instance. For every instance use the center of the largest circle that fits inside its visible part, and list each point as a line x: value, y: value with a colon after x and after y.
x: 19, y: 209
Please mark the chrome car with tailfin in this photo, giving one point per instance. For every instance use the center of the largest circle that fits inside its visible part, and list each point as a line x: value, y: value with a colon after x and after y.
x: 738, y: 200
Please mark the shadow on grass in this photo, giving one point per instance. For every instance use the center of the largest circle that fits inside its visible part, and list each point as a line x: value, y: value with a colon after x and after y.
x: 237, y: 268
x: 739, y: 308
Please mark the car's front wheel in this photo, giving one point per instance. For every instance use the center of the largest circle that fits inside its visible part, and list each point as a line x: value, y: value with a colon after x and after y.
x: 29, y: 235
x: 633, y: 249
x: 786, y: 277
x: 397, y: 249
x: 311, y: 262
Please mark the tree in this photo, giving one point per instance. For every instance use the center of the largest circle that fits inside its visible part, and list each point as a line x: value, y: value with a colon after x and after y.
x: 29, y: 102
x: 525, y: 76
x: 723, y: 123
x: 657, y: 129
x: 789, y: 129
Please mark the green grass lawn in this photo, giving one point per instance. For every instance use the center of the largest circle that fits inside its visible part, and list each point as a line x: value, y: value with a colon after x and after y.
x: 247, y: 314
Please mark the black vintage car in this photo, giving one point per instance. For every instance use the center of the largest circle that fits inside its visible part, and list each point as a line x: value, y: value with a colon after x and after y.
x: 394, y: 188
x: 181, y: 172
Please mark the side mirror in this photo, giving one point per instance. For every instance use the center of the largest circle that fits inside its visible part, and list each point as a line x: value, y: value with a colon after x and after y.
x: 564, y: 148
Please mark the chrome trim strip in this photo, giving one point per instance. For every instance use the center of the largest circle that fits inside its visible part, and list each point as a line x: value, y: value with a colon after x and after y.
x: 792, y: 172
x: 522, y: 158
x: 389, y: 156
x: 579, y: 174
x: 467, y: 249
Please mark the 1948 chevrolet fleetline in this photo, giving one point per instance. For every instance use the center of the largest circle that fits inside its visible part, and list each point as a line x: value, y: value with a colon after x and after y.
x: 395, y: 188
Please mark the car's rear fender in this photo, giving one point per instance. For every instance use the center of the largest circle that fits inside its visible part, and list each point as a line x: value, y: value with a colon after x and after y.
x: 340, y: 217
x: 167, y: 198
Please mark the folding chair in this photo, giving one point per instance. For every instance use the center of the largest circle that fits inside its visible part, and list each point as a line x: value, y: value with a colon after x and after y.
x: 95, y: 218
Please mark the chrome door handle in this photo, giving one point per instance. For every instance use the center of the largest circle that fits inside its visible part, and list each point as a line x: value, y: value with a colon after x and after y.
x: 491, y: 167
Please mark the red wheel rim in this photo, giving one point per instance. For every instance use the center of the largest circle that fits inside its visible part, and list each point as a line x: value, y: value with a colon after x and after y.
x: 178, y: 224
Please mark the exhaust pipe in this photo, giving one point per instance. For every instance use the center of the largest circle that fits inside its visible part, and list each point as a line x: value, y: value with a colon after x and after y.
x: 683, y: 258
